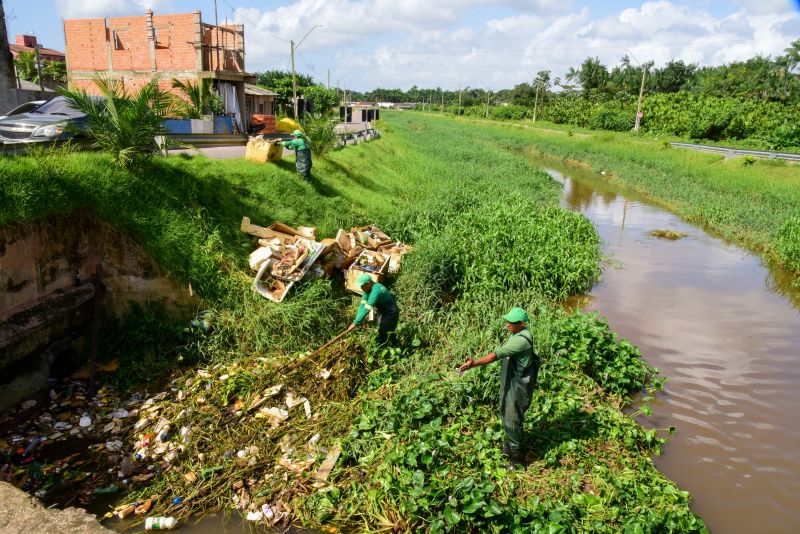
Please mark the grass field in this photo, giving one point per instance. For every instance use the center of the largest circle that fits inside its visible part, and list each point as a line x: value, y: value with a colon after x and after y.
x: 420, y: 445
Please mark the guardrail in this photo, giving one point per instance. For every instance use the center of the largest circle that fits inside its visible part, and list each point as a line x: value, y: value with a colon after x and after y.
x: 207, y: 140
x: 734, y: 152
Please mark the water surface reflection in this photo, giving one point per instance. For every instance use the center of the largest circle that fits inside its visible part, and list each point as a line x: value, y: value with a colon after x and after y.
x: 715, y: 321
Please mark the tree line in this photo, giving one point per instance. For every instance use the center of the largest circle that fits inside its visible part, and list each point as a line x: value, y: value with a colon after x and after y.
x: 757, y: 99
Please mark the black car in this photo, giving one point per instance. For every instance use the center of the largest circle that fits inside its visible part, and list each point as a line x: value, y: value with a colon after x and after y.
x: 55, y: 120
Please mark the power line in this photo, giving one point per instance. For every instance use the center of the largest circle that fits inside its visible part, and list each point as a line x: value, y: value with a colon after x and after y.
x: 255, y: 25
x: 450, y: 51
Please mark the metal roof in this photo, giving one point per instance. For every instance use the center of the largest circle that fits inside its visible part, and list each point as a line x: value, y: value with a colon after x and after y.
x: 258, y: 91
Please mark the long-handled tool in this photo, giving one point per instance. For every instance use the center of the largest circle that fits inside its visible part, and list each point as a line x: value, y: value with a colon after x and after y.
x: 304, y: 359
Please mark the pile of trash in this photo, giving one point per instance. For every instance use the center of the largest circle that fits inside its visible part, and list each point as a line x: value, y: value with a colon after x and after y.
x: 226, y: 433
x: 61, y: 448
x: 221, y: 434
x: 286, y: 255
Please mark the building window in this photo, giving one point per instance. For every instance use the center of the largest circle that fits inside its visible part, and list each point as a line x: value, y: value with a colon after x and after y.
x: 117, y: 42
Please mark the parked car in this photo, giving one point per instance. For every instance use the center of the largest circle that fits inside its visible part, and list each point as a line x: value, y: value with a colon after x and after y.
x: 24, y: 108
x: 55, y: 120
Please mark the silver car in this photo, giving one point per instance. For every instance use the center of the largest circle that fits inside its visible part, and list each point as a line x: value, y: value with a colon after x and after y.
x: 55, y: 120
x: 24, y: 108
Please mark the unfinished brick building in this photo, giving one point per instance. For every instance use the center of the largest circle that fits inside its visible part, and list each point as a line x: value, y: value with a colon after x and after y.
x: 136, y: 49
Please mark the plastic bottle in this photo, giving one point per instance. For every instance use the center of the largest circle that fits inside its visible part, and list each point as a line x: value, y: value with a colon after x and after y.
x: 160, y: 523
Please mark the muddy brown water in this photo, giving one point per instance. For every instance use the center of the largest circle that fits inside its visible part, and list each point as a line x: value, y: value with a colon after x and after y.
x: 723, y: 329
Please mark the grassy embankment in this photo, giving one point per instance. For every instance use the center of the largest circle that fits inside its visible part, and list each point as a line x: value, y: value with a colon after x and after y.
x: 754, y: 203
x: 420, y: 444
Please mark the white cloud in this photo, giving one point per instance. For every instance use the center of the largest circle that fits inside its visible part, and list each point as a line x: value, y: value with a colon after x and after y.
x: 79, y: 9
x: 492, y: 43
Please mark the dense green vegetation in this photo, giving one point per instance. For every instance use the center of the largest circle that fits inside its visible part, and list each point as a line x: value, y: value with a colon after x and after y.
x: 420, y: 444
x: 757, y: 100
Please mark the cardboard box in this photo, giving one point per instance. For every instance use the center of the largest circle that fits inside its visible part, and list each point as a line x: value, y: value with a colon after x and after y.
x: 378, y: 273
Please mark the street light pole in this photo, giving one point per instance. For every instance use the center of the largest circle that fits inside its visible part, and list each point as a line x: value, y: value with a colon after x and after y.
x: 294, y: 76
x: 639, y: 106
x: 644, y: 67
x: 294, y: 84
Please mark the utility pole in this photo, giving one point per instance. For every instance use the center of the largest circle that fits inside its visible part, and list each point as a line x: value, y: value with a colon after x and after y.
x: 442, y: 110
x: 489, y: 92
x: 216, y: 31
x: 294, y: 84
x: 294, y: 76
x: 639, y: 106
x: 39, y: 66
x: 459, y: 100
x: 536, y: 102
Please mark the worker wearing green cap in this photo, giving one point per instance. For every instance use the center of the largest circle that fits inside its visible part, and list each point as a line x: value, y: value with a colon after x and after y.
x: 517, y: 380
x: 376, y: 296
x: 299, y: 144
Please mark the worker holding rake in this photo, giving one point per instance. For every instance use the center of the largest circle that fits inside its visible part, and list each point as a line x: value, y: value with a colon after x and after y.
x: 520, y: 366
x: 376, y: 296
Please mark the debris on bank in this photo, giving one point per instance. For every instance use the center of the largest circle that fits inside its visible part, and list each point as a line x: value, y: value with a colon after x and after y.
x: 286, y: 255
x: 242, y: 436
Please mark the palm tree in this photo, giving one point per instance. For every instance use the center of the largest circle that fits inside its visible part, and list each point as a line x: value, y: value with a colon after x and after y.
x: 573, y: 74
x: 198, y: 100
x: 792, y: 57
x: 55, y: 70
x: 121, y: 123
x: 26, y: 66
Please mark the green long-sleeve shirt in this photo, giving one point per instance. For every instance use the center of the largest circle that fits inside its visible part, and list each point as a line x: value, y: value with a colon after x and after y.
x: 517, y: 357
x: 295, y: 144
x: 378, y: 297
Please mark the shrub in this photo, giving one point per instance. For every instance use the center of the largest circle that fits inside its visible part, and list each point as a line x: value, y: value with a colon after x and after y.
x: 510, y: 112
x: 787, y: 243
x: 612, y: 119
x: 123, y: 124
x: 320, y: 132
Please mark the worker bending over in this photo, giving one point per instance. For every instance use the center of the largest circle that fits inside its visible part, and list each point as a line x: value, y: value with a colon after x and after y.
x: 375, y: 296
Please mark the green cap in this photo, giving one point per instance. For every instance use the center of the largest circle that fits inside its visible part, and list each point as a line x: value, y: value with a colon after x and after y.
x: 516, y: 315
x: 363, y: 279
x: 297, y: 133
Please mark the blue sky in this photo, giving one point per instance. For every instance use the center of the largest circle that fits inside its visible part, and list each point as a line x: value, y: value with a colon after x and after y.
x: 456, y: 43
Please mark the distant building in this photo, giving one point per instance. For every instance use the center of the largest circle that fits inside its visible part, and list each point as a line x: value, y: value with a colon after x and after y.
x: 28, y: 43
x: 259, y: 100
x: 182, y: 46
x: 11, y: 96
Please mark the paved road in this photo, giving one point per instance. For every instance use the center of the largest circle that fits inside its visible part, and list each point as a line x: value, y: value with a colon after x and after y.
x: 215, y: 152
x: 738, y: 152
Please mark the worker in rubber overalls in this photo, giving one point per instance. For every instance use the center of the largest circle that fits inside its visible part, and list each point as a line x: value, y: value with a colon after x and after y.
x: 302, y: 152
x: 376, y: 296
x: 520, y: 366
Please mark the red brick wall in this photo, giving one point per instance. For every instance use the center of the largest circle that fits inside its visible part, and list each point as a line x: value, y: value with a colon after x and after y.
x: 86, y: 44
x: 176, y: 32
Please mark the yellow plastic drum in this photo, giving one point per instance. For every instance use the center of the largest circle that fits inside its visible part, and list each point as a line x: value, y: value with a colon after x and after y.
x: 263, y: 151
x: 288, y: 125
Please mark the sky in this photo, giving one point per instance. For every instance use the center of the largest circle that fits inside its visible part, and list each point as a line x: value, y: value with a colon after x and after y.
x: 493, y: 44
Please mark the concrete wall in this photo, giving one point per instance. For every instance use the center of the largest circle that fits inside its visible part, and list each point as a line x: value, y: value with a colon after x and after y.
x: 47, y: 294
x: 12, y: 97
x: 40, y: 258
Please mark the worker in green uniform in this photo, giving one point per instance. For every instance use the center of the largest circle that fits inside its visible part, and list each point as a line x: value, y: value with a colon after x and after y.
x: 299, y: 144
x: 520, y: 366
x: 376, y: 296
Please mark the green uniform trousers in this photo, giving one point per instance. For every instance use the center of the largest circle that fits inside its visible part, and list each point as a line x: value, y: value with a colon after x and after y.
x: 303, y: 163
